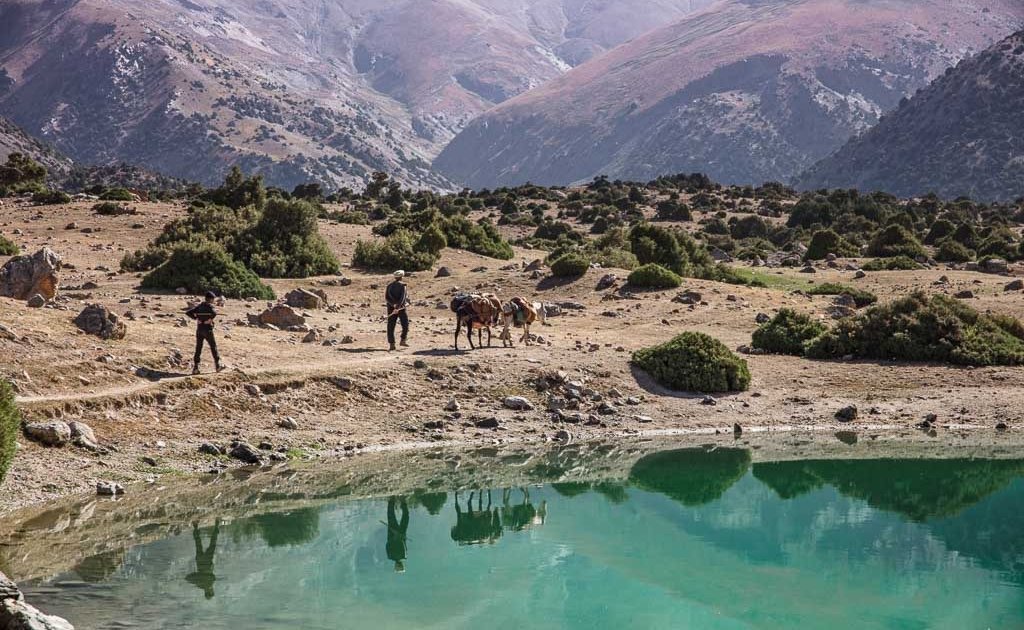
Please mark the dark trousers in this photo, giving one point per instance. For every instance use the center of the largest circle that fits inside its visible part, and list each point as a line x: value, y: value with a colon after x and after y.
x: 400, y: 316
x: 205, y: 333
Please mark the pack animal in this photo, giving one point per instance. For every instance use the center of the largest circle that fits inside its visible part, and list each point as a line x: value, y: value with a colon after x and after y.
x: 476, y: 312
x: 520, y: 313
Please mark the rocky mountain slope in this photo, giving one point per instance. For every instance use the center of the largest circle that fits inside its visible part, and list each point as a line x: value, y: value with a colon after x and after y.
x: 961, y: 136
x: 295, y: 89
x: 14, y: 140
x: 745, y: 90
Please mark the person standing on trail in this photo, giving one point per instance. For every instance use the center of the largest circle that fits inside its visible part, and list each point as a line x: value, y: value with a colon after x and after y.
x: 205, y: 315
x: 397, y: 298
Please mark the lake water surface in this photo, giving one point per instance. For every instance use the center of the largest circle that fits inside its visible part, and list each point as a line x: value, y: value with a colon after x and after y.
x: 691, y: 538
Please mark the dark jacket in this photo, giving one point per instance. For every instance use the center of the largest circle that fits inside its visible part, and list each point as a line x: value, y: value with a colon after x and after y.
x: 396, y: 295
x: 204, y: 314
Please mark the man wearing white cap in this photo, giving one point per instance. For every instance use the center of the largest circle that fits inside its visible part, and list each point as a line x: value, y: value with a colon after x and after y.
x: 397, y: 298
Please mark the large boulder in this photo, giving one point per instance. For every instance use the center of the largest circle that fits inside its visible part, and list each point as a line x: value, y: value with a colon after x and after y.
x: 97, y: 319
x: 306, y: 298
x: 281, y: 316
x: 23, y: 277
x: 55, y: 433
x: 15, y: 614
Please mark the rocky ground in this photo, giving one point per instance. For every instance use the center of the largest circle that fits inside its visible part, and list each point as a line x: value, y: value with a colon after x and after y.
x: 341, y: 392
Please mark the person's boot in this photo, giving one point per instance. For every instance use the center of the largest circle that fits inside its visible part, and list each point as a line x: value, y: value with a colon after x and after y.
x: 195, y: 369
x: 220, y: 367
x: 405, y: 344
x: 392, y: 348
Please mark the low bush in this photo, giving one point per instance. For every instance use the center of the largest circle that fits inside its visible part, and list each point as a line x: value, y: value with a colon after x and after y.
x: 900, y: 263
x: 787, y: 333
x: 10, y: 423
x: 7, y: 248
x: 952, y: 252
x: 925, y: 328
x: 860, y: 297
x: 117, y: 194
x: 398, y: 251
x: 570, y: 266
x: 654, y: 277
x: 895, y: 241
x: 694, y: 362
x: 825, y: 242
x: 202, y: 266
x: 285, y: 242
x: 48, y: 197
x: 350, y: 217
x: 112, y: 209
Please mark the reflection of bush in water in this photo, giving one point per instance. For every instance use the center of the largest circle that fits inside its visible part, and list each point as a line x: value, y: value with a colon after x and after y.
x: 432, y: 501
x: 917, y: 489
x: 691, y: 476
x: 571, y: 488
x: 614, y: 492
x: 279, y: 529
x: 99, y: 568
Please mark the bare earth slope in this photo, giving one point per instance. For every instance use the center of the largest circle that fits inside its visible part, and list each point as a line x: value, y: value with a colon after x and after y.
x: 961, y: 136
x: 745, y: 91
x: 294, y: 89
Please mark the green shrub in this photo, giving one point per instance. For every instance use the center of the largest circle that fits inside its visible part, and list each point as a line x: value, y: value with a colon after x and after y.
x: 654, y: 277
x: 953, y: 252
x: 202, y: 266
x: 48, y: 197
x: 895, y: 241
x: 925, y: 328
x: 940, y: 229
x: 350, y: 217
x: 787, y: 333
x: 285, y: 242
x: 694, y: 362
x: 432, y: 240
x: 825, y: 242
x: 674, y: 250
x: 10, y: 424
x: 117, y: 194
x: 860, y: 297
x: 146, y: 259
x: 900, y: 263
x: 112, y: 209
x: 672, y: 210
x: 480, y: 238
x: 570, y: 266
x: 615, y: 258
x: 20, y: 173
x: 397, y: 251
x: 7, y: 248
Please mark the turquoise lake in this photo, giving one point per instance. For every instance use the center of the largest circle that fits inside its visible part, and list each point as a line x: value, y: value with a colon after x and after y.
x: 692, y: 538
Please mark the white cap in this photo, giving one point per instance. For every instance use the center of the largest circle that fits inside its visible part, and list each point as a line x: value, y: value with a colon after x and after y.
x: 399, y: 274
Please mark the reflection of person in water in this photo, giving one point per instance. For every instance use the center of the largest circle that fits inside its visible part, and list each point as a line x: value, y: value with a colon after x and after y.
x: 524, y: 515
x: 398, y: 543
x: 203, y: 576
x: 479, y: 526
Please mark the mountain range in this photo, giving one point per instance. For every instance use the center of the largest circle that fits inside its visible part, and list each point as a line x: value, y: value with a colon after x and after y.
x: 746, y: 90
x: 960, y: 136
x: 294, y: 89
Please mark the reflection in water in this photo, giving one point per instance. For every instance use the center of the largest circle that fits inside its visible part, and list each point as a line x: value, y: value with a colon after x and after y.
x: 918, y: 489
x: 775, y: 543
x: 692, y: 476
x: 398, y: 532
x: 476, y: 526
x: 203, y: 577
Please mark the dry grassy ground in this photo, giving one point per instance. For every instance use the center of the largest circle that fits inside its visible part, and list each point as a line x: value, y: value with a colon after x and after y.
x: 61, y: 372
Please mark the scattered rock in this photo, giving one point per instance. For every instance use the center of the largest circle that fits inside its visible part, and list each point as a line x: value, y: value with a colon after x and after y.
x: 1001, y: 426
x: 966, y: 294
x: 563, y: 436
x: 1016, y: 285
x: 253, y: 389
x: 536, y: 265
x: 55, y: 433
x: 860, y: 274
x: 96, y: 319
x: 995, y: 265
x: 487, y: 423
x: 310, y: 299
x: 517, y: 403
x: 763, y: 318
x: 83, y: 436
x: 452, y: 406
x: 282, y: 316
x: 607, y: 281
x: 847, y: 414
x: 288, y: 423
x: 36, y: 301
x: 22, y: 277
x: 737, y: 429
x: 689, y: 298
x: 210, y: 449
x: 109, y: 489
x: 244, y: 452
x: 709, y: 401
x: 313, y: 336
x: 443, y: 272
x: 808, y: 269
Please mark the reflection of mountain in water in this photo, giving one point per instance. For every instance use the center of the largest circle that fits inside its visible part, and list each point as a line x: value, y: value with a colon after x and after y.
x: 918, y: 489
x: 280, y: 529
